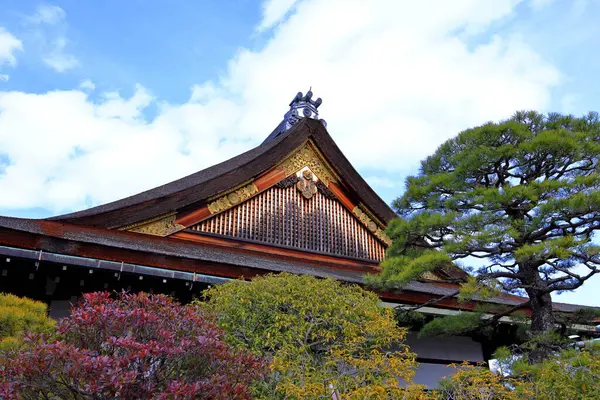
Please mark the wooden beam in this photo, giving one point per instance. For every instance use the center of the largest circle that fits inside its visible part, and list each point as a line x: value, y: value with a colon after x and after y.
x: 98, y: 251
x: 319, y: 260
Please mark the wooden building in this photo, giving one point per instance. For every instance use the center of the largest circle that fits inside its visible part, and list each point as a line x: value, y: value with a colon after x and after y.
x: 292, y: 204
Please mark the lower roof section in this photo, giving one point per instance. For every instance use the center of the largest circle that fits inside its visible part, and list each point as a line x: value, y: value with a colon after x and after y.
x: 219, y: 257
x: 39, y: 256
x: 204, y: 258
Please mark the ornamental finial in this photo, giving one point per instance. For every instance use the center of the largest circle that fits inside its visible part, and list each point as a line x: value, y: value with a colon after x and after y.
x: 302, y: 106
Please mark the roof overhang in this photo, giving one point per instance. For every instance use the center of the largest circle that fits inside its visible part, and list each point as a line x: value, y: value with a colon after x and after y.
x: 87, y: 246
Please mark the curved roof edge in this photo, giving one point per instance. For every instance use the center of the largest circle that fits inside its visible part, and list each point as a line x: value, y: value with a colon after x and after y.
x: 196, y: 188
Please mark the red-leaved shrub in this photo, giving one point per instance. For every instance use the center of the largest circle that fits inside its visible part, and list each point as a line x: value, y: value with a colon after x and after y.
x: 134, y: 346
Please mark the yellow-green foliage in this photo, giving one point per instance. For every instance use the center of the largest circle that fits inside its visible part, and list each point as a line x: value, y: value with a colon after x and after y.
x: 474, y: 383
x: 19, y: 316
x: 571, y: 375
x: 317, y: 332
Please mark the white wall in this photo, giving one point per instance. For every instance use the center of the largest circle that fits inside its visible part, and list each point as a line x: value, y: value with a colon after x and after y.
x: 452, y: 349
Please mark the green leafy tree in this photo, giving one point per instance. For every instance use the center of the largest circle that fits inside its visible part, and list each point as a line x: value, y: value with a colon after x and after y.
x: 572, y: 374
x: 520, y: 198
x: 19, y: 316
x: 320, y: 335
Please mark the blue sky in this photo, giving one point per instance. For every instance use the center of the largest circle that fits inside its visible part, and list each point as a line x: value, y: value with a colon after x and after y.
x: 100, y: 100
x: 166, y: 45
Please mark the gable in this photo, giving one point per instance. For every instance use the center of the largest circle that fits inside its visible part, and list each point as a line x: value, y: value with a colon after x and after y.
x: 302, y: 214
x: 298, y: 204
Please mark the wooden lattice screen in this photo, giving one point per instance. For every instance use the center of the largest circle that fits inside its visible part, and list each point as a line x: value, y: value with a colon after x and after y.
x: 283, y: 217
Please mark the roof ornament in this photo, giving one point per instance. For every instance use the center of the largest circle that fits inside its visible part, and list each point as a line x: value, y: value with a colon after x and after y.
x: 303, y: 106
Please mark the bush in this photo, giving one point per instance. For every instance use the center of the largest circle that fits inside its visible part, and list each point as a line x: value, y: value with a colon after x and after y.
x: 320, y: 335
x: 137, y: 346
x: 19, y: 316
x: 475, y: 383
x: 572, y: 374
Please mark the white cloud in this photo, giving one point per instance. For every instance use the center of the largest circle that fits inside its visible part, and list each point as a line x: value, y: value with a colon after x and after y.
x: 76, y: 148
x: 48, y: 26
x: 397, y: 79
x: 47, y: 14
x: 58, y: 59
x: 114, y: 106
x: 9, y: 45
x: 87, y: 84
x: 274, y: 11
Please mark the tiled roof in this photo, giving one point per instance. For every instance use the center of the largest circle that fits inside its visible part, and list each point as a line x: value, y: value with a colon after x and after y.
x: 192, y: 190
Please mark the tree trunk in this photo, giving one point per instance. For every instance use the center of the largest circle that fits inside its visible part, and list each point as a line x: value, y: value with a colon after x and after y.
x: 542, y: 321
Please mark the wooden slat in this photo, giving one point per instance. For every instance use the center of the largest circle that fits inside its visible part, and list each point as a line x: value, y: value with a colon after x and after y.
x: 283, y: 217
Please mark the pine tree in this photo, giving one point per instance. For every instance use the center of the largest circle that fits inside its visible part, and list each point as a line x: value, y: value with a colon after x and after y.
x: 519, y: 198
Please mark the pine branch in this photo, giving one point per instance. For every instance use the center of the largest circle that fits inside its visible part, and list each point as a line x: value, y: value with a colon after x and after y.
x: 428, y: 303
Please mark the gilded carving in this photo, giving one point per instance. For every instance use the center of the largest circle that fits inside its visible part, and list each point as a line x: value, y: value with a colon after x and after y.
x: 306, y: 185
x: 383, y: 236
x: 306, y: 156
x: 371, y: 225
x: 231, y: 199
x: 162, y: 227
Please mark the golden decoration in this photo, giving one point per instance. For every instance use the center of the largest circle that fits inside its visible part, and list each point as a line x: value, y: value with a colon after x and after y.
x: 371, y: 225
x: 307, y: 156
x: 306, y: 186
x: 163, y: 226
x: 380, y: 233
x: 229, y: 200
x: 233, y: 198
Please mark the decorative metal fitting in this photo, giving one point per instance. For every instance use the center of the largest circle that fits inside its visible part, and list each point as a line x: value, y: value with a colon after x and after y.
x: 306, y: 185
x: 303, y: 106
